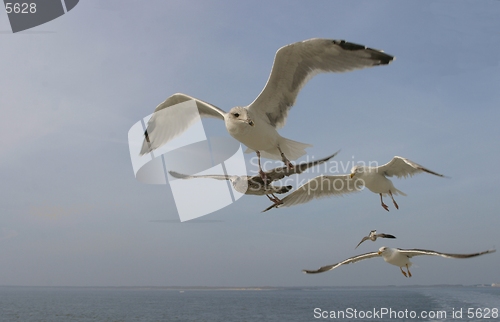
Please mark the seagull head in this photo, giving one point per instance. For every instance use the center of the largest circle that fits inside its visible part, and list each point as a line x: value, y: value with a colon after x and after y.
x: 240, y: 114
x: 356, y: 170
x: 383, y: 250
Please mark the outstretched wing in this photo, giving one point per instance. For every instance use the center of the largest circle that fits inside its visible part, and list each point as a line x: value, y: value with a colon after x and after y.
x: 350, y: 260
x: 417, y: 252
x: 297, y: 63
x: 281, y: 172
x: 211, y: 176
x: 171, y: 119
x: 385, y: 236
x: 362, y: 240
x: 320, y: 187
x: 402, y: 167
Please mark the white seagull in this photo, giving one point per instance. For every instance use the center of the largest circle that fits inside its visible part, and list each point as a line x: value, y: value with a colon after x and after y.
x: 373, y: 237
x: 255, y: 185
x: 373, y: 178
x: 256, y: 125
x: 396, y: 256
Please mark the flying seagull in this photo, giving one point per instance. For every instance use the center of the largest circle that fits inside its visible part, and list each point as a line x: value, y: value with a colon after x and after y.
x: 255, y: 185
x: 256, y: 125
x: 396, y: 256
x: 373, y: 237
x: 373, y: 178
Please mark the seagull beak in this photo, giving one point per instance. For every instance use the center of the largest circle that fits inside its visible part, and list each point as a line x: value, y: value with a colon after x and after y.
x: 250, y: 122
x: 379, y: 252
x: 351, y: 175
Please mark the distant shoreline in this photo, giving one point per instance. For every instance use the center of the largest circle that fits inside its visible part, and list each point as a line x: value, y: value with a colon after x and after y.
x: 241, y: 288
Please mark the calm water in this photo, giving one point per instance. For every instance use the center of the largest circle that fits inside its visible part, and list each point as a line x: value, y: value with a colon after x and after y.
x: 94, y: 304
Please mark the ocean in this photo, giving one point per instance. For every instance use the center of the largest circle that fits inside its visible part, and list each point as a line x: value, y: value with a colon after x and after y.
x: 431, y: 303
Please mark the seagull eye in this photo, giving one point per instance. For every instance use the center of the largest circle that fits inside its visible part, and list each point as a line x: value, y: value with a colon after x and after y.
x: 236, y: 115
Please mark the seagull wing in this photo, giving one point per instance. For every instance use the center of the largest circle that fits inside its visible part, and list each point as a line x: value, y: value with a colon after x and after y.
x: 320, y: 187
x: 402, y: 167
x: 362, y: 240
x: 211, y: 176
x: 416, y: 252
x: 281, y: 172
x: 170, y: 120
x: 297, y: 63
x: 350, y: 260
x: 385, y: 236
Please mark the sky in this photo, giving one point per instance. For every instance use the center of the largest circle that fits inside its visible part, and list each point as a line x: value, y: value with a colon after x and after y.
x: 73, y: 214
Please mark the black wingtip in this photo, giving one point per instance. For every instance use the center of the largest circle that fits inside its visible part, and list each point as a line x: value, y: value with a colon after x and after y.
x: 333, y: 155
x: 383, y: 58
x: 379, y: 56
x: 348, y: 45
x: 146, y: 147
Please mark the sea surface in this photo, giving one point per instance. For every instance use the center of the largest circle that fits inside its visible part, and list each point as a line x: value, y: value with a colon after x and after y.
x: 435, y: 303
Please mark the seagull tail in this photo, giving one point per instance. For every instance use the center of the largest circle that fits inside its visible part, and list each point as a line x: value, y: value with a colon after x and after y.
x: 399, y: 192
x: 292, y: 149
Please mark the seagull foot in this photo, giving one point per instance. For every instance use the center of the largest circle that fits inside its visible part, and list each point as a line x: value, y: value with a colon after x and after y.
x: 277, y: 201
x: 408, y: 269
x: 404, y: 273
x: 385, y: 206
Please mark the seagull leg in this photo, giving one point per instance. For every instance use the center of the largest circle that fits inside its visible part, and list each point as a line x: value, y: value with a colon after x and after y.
x: 383, y: 204
x: 394, y: 201
x: 276, y: 200
x: 404, y: 273
x: 408, y: 269
x: 284, y: 159
x: 262, y: 173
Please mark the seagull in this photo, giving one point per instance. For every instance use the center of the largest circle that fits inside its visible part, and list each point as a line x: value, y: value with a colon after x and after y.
x: 373, y: 178
x: 396, y: 256
x: 255, y: 185
x: 373, y: 237
x: 256, y: 125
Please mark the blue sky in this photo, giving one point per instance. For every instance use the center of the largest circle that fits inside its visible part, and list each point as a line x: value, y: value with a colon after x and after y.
x: 73, y: 213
